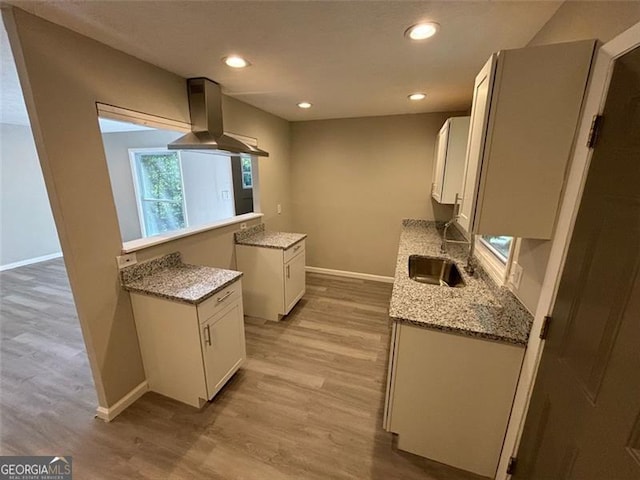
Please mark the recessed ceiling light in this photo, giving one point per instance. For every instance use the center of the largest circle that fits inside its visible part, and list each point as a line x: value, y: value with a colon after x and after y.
x: 304, y: 105
x: 235, y: 61
x: 422, y: 31
x: 417, y: 96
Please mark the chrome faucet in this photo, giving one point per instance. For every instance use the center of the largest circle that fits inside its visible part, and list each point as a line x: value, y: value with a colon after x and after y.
x: 445, y: 240
x: 469, y: 267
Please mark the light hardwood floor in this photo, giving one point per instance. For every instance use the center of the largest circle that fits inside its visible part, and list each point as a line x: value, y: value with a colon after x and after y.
x: 307, y: 405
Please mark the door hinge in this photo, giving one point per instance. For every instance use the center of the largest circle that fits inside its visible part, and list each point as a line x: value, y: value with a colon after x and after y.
x: 511, y: 466
x: 544, y: 331
x: 594, y: 132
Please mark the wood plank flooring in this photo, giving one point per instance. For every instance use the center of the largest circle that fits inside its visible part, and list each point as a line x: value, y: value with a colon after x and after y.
x: 307, y: 405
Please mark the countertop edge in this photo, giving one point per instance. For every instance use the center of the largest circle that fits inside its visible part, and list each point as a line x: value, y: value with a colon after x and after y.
x: 459, y: 331
x: 249, y: 243
x: 173, y: 298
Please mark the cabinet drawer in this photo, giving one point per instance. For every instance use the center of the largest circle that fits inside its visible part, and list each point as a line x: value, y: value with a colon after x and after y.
x: 291, y: 252
x: 224, y: 297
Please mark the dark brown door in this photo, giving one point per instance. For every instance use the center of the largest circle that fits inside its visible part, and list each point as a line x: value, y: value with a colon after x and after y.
x: 584, y: 419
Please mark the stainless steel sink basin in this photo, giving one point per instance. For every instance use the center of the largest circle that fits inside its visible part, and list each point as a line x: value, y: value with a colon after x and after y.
x: 435, y: 271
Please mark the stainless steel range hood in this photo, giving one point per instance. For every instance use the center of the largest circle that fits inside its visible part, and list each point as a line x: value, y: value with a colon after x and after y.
x: 207, y: 132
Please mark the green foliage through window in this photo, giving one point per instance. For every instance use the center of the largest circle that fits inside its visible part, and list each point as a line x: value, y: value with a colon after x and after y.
x: 160, y: 189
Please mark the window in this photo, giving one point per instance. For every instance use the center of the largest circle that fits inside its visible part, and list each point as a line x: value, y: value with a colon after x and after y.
x: 164, y: 193
x: 175, y: 190
x: 493, y: 253
x: 159, y: 190
x: 247, y: 174
x: 498, y: 245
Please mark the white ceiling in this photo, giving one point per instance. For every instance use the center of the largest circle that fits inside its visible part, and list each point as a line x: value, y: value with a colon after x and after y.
x: 348, y: 58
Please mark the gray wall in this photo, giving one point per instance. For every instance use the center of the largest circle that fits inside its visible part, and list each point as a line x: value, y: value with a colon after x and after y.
x: 53, y: 66
x: 581, y: 20
x: 26, y: 224
x: 354, y: 180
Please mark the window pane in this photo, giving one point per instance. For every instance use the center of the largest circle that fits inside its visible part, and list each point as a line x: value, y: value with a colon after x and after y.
x: 157, y: 190
x: 162, y: 217
x: 498, y: 245
x: 160, y: 181
x: 247, y: 174
x: 160, y: 176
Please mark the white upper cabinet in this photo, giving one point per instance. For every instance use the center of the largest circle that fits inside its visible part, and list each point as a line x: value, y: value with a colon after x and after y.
x: 475, y: 144
x: 526, y: 106
x: 448, y: 165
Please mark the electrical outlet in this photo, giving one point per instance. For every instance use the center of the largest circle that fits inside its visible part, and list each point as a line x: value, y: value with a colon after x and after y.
x: 279, y: 208
x: 243, y: 226
x: 126, y: 260
x: 516, y: 275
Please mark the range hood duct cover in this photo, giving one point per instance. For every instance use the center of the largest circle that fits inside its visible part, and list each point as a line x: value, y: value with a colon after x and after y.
x: 207, y: 131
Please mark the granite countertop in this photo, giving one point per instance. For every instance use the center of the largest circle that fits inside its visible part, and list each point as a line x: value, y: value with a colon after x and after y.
x: 479, y: 309
x: 167, y: 277
x: 258, y: 237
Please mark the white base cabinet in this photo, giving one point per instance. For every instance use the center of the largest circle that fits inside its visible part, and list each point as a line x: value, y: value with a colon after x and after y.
x: 449, y: 396
x: 190, y: 351
x: 274, y: 279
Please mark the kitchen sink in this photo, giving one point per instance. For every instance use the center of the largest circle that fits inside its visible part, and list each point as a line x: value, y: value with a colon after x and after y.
x: 435, y: 271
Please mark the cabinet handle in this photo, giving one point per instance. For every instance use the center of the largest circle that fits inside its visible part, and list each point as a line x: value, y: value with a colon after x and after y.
x: 207, y: 335
x: 296, y: 248
x: 288, y: 271
x: 225, y: 296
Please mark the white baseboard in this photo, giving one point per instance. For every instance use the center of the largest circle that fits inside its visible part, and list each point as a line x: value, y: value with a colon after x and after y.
x: 108, y: 414
x: 344, y: 273
x: 30, y: 261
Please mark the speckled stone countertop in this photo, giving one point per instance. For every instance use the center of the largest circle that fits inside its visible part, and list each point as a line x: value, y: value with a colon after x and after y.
x: 167, y: 277
x: 258, y: 237
x: 479, y: 309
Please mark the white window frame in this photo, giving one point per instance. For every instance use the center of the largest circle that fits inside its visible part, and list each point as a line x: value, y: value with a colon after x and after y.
x: 138, y: 193
x: 492, y: 261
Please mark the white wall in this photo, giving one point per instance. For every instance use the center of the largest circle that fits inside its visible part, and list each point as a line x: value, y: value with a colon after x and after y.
x: 205, y: 178
x: 27, y: 230
x: 116, y: 149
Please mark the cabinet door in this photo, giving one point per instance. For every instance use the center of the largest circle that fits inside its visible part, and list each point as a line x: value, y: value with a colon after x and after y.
x: 535, y: 106
x: 223, y: 346
x: 439, y: 162
x: 294, y: 280
x: 482, y: 91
